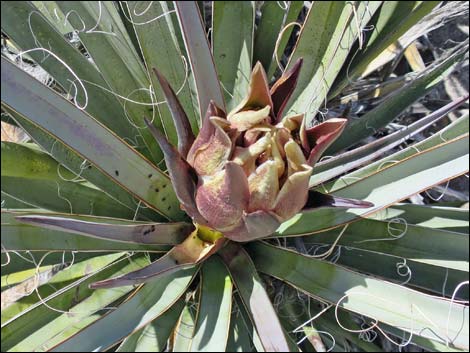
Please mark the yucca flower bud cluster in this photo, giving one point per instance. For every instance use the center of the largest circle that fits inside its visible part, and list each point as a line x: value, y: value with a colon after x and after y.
x: 247, y: 171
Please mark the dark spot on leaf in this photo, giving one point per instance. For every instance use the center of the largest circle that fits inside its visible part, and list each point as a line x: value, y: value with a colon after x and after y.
x: 157, y: 190
x: 222, y: 56
x: 169, y: 207
x: 152, y: 229
x: 150, y: 175
x: 89, y: 167
x: 163, y: 186
x: 163, y: 199
x: 116, y: 172
x: 176, y: 262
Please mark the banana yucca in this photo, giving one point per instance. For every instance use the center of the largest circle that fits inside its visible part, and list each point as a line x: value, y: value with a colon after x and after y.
x: 213, y: 200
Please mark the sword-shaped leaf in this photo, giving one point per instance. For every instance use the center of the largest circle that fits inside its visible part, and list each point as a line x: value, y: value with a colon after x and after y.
x: 333, y: 167
x: 51, y: 112
x: 215, y: 304
x: 200, y: 57
x: 255, y: 298
x: 18, y: 236
x: 150, y: 233
x: 400, y: 99
x: 392, y: 304
x: 151, y: 301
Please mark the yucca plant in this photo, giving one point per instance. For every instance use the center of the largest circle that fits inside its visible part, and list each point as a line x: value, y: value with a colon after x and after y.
x: 186, y: 196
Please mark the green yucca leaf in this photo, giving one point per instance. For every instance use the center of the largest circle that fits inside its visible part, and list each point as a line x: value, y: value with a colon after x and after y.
x: 21, y: 297
x: 254, y: 298
x: 10, y: 203
x: 446, y: 218
x: 215, y: 306
x: 16, y: 17
x: 430, y: 246
x: 392, y: 20
x: 403, y: 271
x: 160, y: 49
x: 327, y: 323
x: 149, y: 233
x: 87, y: 311
x: 117, y: 61
x: 73, y: 280
x: 240, y: 338
x: 29, y: 328
x: 295, y: 7
x: 335, y: 166
x: 377, y: 299
x: 72, y: 161
x: 154, y: 336
x: 184, y: 329
x: 399, y: 100
x: 148, y: 303
x: 423, y: 342
x: 53, y: 191
x: 17, y: 262
x: 76, y: 270
x: 455, y: 130
x: 327, y: 36
x: 200, y: 57
x: 20, y: 236
x: 56, y: 17
x: 94, y: 142
x: 272, y: 19
x: 232, y: 47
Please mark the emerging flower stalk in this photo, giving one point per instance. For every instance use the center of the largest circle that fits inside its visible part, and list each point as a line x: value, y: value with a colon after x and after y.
x: 247, y: 171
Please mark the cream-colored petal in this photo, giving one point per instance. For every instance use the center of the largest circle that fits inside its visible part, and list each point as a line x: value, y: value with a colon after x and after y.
x: 293, y: 122
x: 211, y: 156
x: 276, y: 155
x: 295, y: 157
x: 264, y: 187
x: 246, y: 155
x: 293, y: 194
x: 258, y: 92
x: 247, y: 119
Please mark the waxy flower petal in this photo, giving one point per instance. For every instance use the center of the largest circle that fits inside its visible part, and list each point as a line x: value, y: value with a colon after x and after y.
x: 258, y: 92
x: 295, y: 158
x: 256, y: 225
x: 293, y: 194
x: 264, y: 187
x: 247, y: 119
x: 246, y: 156
x: 321, y: 136
x: 282, y: 90
x: 206, y: 131
x: 296, y: 125
x: 210, y: 157
x: 223, y: 197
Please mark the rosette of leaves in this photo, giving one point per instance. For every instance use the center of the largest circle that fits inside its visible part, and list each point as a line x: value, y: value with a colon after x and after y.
x: 173, y: 194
